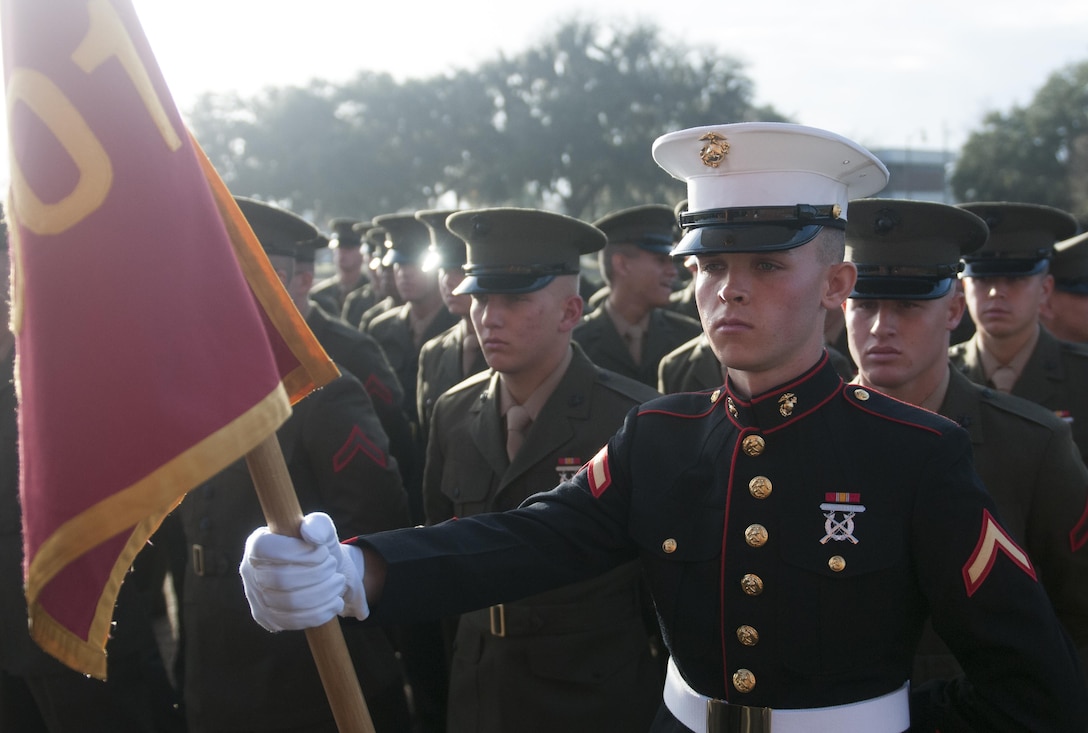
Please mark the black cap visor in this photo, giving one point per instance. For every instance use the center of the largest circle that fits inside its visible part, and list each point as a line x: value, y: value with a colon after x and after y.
x: 1078, y: 286
x: 745, y: 238
x: 1003, y: 267
x: 901, y: 288
x: 400, y: 257
x: 660, y: 245
x: 501, y: 284
x: 510, y: 279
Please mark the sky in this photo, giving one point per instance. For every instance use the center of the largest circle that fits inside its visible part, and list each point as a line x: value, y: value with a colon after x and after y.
x: 916, y: 74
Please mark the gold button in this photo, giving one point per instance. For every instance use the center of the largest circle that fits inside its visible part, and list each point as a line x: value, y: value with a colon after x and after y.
x: 715, y: 395
x: 669, y: 546
x: 861, y: 394
x: 744, y: 680
x: 747, y: 635
x: 732, y: 407
x: 755, y: 535
x: 837, y: 563
x: 753, y: 445
x: 760, y: 487
x: 752, y: 584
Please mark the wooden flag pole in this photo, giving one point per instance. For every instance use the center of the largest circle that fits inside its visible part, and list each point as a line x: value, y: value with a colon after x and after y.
x: 284, y: 516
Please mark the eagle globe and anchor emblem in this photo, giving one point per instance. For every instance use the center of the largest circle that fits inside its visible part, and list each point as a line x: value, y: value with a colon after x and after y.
x: 714, y: 151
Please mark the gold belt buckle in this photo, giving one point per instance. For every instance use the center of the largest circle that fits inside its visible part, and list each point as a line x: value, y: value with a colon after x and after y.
x: 723, y: 717
x: 198, y: 559
x: 498, y: 620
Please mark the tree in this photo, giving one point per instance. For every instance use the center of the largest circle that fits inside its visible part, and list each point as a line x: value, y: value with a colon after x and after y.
x: 1034, y: 154
x: 565, y: 125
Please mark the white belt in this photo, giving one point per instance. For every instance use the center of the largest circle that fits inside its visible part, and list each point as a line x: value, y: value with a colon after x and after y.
x: 885, y: 714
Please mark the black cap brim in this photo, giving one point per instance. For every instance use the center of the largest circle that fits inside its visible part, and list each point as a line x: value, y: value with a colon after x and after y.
x: 395, y: 257
x: 656, y: 248
x: 1003, y: 267
x: 502, y: 284
x: 745, y: 238
x: 901, y: 288
x: 1075, y: 287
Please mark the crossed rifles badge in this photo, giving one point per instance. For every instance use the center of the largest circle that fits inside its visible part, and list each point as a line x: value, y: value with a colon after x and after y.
x: 847, y: 505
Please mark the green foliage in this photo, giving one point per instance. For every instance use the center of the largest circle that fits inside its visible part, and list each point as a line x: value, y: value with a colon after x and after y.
x: 1033, y: 154
x: 566, y: 125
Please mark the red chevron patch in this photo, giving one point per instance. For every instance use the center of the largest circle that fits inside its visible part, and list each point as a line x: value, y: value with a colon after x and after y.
x: 598, y: 473
x: 378, y: 390
x: 1078, y: 536
x: 992, y: 540
x: 357, y: 442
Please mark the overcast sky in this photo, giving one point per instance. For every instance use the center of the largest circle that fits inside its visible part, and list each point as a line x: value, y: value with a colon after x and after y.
x: 887, y: 73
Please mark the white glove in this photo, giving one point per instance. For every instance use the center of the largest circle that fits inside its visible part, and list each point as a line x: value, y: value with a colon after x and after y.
x: 295, y: 583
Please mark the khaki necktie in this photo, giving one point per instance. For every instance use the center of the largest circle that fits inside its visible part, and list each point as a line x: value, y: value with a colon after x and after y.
x: 517, y: 422
x: 1003, y: 378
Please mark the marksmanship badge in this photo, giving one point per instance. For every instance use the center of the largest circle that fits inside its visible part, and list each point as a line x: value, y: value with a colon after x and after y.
x: 567, y: 468
x: 836, y: 504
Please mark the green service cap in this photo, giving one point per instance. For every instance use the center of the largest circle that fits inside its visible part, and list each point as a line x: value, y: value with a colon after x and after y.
x: 520, y: 250
x: 344, y: 232
x: 406, y: 239
x: 375, y: 239
x: 1022, y: 238
x: 446, y: 249
x: 279, y: 231
x: 1069, y: 266
x: 909, y: 250
x: 651, y: 227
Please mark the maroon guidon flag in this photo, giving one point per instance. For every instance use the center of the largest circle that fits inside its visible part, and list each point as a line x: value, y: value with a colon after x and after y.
x: 154, y: 343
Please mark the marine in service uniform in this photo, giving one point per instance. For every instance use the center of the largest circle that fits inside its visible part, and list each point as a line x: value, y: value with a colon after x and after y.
x: 899, y: 317
x: 683, y: 300
x: 402, y: 331
x: 632, y: 329
x: 359, y: 310
x: 352, y: 350
x: 239, y: 678
x: 1065, y: 312
x: 577, y: 658
x: 455, y: 354
x: 795, y: 531
x: 352, y: 272
x: 690, y: 367
x: 1006, y: 282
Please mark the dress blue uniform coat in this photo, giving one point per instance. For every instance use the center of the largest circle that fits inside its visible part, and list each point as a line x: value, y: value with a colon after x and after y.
x: 874, y: 520
x: 603, y: 344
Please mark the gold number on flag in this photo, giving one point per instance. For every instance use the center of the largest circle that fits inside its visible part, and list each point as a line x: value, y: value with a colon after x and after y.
x: 48, y: 102
x: 107, y: 38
